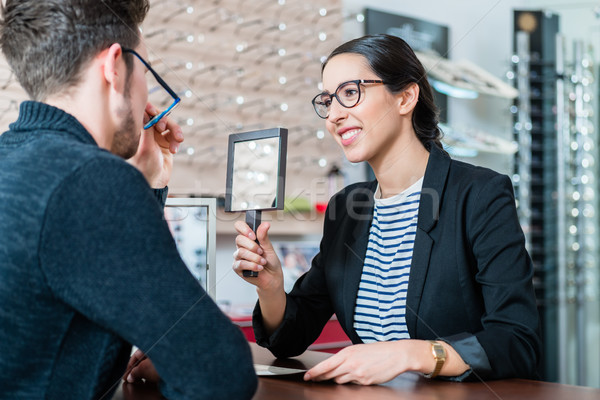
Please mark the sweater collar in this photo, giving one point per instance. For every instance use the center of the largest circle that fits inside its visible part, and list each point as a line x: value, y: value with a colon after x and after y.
x: 36, y: 116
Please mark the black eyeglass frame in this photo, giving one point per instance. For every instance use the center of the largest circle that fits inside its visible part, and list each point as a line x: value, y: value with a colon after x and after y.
x: 358, y: 82
x: 176, y: 98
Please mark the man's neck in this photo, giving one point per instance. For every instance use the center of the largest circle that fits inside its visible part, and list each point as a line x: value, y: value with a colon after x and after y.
x: 80, y: 104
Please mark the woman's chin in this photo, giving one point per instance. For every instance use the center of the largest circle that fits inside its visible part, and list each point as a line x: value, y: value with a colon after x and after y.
x: 354, y: 157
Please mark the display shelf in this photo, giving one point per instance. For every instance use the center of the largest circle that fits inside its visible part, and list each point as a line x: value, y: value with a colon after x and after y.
x: 244, y: 66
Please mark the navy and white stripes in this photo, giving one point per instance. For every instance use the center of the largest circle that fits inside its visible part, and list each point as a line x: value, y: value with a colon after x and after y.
x: 380, y: 309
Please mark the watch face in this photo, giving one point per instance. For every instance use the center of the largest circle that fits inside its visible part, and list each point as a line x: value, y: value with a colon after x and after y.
x: 438, y: 351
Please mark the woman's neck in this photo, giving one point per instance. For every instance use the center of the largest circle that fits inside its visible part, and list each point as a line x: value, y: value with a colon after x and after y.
x: 401, y: 167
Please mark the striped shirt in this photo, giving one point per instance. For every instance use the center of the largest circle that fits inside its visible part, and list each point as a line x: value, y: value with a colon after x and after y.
x: 380, y: 309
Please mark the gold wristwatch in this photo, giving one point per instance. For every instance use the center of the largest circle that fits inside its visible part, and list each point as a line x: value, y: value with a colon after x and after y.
x: 439, y: 354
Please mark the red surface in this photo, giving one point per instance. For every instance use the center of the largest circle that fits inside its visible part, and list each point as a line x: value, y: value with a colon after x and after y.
x: 321, y: 207
x: 331, y: 340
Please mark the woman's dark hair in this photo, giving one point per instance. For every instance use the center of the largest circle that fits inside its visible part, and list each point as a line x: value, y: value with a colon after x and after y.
x: 48, y: 43
x: 392, y: 59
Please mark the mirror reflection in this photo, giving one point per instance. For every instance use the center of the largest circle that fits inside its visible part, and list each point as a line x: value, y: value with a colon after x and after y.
x: 255, y: 174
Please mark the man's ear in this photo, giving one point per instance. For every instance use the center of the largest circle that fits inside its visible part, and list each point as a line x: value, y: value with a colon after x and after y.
x: 407, y: 99
x: 114, y: 66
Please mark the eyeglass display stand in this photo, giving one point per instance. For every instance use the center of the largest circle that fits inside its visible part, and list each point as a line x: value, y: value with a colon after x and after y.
x: 523, y: 127
x: 587, y: 260
x: 537, y: 163
x: 253, y: 219
x: 576, y: 296
x: 578, y: 205
x: 577, y: 220
x: 562, y: 145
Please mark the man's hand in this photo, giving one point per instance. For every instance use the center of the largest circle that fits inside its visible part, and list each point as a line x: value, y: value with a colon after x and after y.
x: 154, y: 157
x: 140, y: 367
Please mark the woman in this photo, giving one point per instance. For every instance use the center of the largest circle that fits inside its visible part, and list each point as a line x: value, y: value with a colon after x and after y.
x: 425, y: 267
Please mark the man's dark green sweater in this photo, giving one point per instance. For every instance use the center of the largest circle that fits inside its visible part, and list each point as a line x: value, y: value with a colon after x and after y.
x: 88, y: 267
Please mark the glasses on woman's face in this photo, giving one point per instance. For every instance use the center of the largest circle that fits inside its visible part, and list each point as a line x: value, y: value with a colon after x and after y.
x: 162, y: 83
x: 347, y: 94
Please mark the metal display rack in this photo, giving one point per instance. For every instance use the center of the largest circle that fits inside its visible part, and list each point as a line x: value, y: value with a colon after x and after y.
x: 578, y: 245
x: 535, y: 172
x: 523, y: 126
x: 556, y: 187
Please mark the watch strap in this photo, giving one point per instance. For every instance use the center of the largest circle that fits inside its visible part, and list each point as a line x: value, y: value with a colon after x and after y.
x: 439, y: 354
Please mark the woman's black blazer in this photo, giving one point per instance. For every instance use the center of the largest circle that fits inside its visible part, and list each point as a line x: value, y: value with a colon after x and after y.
x: 470, y: 279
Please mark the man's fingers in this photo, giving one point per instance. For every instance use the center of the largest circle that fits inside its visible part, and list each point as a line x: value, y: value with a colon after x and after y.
x: 161, y: 125
x: 151, y: 110
x: 175, y: 129
x: 137, y: 357
x: 145, y: 370
x: 173, y: 145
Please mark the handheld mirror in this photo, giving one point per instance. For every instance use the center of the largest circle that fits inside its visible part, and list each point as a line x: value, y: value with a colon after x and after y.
x: 256, y: 174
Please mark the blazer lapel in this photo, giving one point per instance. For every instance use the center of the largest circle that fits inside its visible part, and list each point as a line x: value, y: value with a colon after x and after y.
x: 432, y: 192
x: 356, y: 248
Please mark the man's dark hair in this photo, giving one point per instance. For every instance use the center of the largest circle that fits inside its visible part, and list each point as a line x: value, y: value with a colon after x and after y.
x: 48, y: 43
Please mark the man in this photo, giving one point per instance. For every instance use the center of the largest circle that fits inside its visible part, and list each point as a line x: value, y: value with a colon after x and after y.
x: 88, y: 266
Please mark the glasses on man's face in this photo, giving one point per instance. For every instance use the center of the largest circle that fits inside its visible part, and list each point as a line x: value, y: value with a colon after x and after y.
x: 162, y: 83
x: 347, y: 94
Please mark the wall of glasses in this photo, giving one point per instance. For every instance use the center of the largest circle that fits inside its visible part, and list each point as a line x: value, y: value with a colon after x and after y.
x: 534, y: 177
x: 556, y: 186
x: 238, y: 66
x: 578, y: 311
x: 241, y: 66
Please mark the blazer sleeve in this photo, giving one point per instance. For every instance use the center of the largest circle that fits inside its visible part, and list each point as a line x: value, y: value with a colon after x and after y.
x: 509, y: 343
x: 308, y: 305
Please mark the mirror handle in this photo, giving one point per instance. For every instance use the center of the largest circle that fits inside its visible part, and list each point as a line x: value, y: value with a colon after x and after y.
x: 253, y: 219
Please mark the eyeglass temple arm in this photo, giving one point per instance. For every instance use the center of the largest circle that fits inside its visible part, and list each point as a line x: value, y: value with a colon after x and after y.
x: 164, y: 84
x: 156, y: 76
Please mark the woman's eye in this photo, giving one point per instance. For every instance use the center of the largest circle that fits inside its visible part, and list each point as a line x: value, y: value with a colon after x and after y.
x: 324, y: 100
x: 350, y: 92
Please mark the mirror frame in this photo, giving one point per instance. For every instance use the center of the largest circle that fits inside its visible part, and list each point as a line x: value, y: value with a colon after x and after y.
x: 235, y: 138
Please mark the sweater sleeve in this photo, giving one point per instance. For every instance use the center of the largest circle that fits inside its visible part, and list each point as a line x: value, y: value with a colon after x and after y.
x: 107, y: 251
x: 161, y: 195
